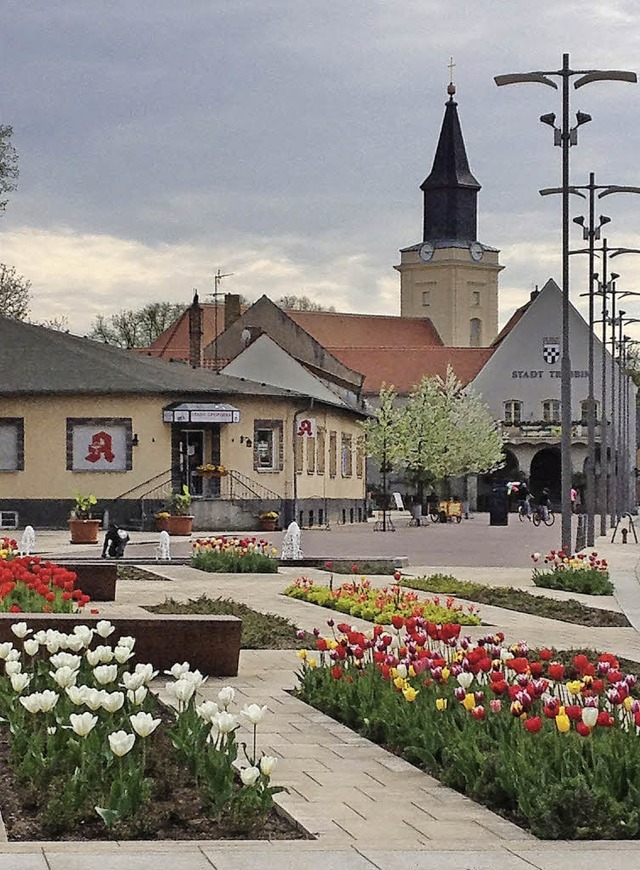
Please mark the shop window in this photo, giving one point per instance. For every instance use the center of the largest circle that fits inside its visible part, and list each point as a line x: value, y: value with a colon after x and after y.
x: 99, y: 444
x: 551, y: 411
x: 11, y: 444
x: 513, y: 412
x: 267, y: 445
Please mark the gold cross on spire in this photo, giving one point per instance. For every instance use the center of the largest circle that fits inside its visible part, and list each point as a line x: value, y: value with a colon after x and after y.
x: 451, y: 66
x: 451, y: 88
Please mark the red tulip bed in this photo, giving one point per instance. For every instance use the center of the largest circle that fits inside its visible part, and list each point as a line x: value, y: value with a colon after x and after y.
x: 30, y: 585
x: 546, y: 739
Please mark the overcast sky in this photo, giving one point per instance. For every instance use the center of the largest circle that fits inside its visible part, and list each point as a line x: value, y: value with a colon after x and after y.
x: 285, y: 142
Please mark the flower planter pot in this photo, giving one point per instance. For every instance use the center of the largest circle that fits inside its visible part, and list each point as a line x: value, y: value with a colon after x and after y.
x: 268, y: 525
x: 179, y: 525
x: 162, y: 524
x: 84, y: 531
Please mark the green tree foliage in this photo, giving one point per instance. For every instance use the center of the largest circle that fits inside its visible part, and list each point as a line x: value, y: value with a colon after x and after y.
x: 8, y: 165
x: 443, y: 430
x: 14, y: 293
x: 136, y: 328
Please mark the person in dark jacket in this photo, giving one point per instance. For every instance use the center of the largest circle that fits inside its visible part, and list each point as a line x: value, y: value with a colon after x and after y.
x: 115, y: 541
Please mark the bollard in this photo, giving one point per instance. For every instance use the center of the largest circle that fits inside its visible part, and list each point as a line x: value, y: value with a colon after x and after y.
x: 581, y: 533
x: 625, y: 532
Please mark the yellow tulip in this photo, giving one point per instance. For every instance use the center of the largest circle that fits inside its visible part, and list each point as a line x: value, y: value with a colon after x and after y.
x: 628, y: 701
x: 469, y: 701
x: 410, y: 693
x: 446, y: 673
x: 574, y: 687
x: 563, y: 723
x: 302, y: 654
x: 412, y: 672
x: 311, y: 662
x: 441, y: 704
x: 399, y: 683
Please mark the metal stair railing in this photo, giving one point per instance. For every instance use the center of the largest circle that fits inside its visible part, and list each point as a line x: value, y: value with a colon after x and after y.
x: 248, y: 493
x: 159, y: 482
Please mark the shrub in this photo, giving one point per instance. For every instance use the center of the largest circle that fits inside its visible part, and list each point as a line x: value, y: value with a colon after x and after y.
x: 227, y: 555
x: 577, y: 573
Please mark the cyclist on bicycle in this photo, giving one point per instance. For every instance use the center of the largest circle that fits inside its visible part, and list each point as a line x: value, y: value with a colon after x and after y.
x: 543, y: 504
x: 525, y: 498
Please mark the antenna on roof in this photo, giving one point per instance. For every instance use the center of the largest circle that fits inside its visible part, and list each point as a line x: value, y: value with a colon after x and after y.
x: 217, y: 278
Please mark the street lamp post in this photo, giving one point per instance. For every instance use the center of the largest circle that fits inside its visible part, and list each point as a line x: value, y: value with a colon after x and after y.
x: 565, y: 137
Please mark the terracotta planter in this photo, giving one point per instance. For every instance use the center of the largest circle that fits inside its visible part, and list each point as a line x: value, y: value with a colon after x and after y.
x: 84, y: 531
x: 162, y: 524
x: 179, y: 525
x: 268, y: 525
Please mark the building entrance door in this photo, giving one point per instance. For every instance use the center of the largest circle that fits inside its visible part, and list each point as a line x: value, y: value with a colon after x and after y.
x: 191, y: 456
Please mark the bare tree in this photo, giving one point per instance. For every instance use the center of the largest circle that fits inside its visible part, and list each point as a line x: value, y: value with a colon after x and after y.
x: 302, y: 303
x: 14, y: 293
x: 8, y: 165
x: 136, y: 328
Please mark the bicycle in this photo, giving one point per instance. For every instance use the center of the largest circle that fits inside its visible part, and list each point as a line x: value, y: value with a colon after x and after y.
x: 538, y: 517
x: 524, y: 514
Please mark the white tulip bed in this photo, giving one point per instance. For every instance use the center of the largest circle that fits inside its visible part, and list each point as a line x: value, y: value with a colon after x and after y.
x: 90, y: 744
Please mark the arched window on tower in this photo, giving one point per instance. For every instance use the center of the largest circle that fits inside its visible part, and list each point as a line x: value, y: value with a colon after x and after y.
x: 475, y: 332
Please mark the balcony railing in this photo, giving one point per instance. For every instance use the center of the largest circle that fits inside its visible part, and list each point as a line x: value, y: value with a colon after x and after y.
x: 544, y: 431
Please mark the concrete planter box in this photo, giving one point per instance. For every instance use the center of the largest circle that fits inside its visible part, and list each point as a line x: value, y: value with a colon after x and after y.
x: 96, y: 579
x: 209, y: 643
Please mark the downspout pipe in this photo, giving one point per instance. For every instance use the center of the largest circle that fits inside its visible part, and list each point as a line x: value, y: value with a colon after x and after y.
x: 305, y: 412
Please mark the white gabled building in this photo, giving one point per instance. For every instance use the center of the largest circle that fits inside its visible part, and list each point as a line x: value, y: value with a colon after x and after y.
x: 521, y: 381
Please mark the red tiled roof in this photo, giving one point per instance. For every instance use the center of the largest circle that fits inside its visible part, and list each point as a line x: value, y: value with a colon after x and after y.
x: 333, y: 329
x: 404, y: 367
x: 511, y: 322
x: 330, y: 329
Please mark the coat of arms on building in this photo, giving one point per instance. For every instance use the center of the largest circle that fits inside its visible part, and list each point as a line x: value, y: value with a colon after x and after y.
x: 551, y: 350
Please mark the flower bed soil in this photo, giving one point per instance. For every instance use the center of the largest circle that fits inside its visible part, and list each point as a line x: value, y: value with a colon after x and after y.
x: 175, y: 811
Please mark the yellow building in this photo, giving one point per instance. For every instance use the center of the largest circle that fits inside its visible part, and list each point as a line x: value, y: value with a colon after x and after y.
x: 82, y: 417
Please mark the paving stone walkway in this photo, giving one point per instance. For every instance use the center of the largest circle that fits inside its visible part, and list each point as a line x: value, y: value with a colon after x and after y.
x: 366, y: 808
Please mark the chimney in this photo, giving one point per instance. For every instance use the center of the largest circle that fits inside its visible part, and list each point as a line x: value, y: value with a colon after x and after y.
x: 231, y: 309
x: 534, y: 293
x: 195, y: 333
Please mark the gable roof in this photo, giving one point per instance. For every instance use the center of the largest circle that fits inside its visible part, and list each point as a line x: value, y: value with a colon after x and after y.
x: 331, y: 329
x: 518, y: 313
x: 265, y: 316
x: 37, y: 360
x: 265, y: 358
x: 404, y: 367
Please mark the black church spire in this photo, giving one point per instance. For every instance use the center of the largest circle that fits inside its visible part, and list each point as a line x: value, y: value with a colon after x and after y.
x: 450, y: 190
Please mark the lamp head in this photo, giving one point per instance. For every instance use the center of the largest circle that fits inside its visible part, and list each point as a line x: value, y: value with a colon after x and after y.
x: 614, y: 276
x: 579, y: 220
x: 549, y: 119
x: 604, y: 220
x: 582, y: 118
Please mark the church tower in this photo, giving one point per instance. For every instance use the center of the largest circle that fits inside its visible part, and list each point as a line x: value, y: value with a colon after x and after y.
x: 450, y: 277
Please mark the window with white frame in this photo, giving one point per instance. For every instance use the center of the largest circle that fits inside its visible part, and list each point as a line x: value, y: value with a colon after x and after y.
x: 267, y: 445
x: 99, y: 444
x: 551, y: 411
x: 584, y: 409
x: 513, y: 411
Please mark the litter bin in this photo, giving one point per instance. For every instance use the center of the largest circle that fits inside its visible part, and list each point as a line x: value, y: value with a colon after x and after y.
x: 416, y: 515
x: 499, y: 506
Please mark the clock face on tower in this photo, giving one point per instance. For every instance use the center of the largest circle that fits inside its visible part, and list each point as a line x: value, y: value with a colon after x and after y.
x: 426, y: 251
x: 477, y: 251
